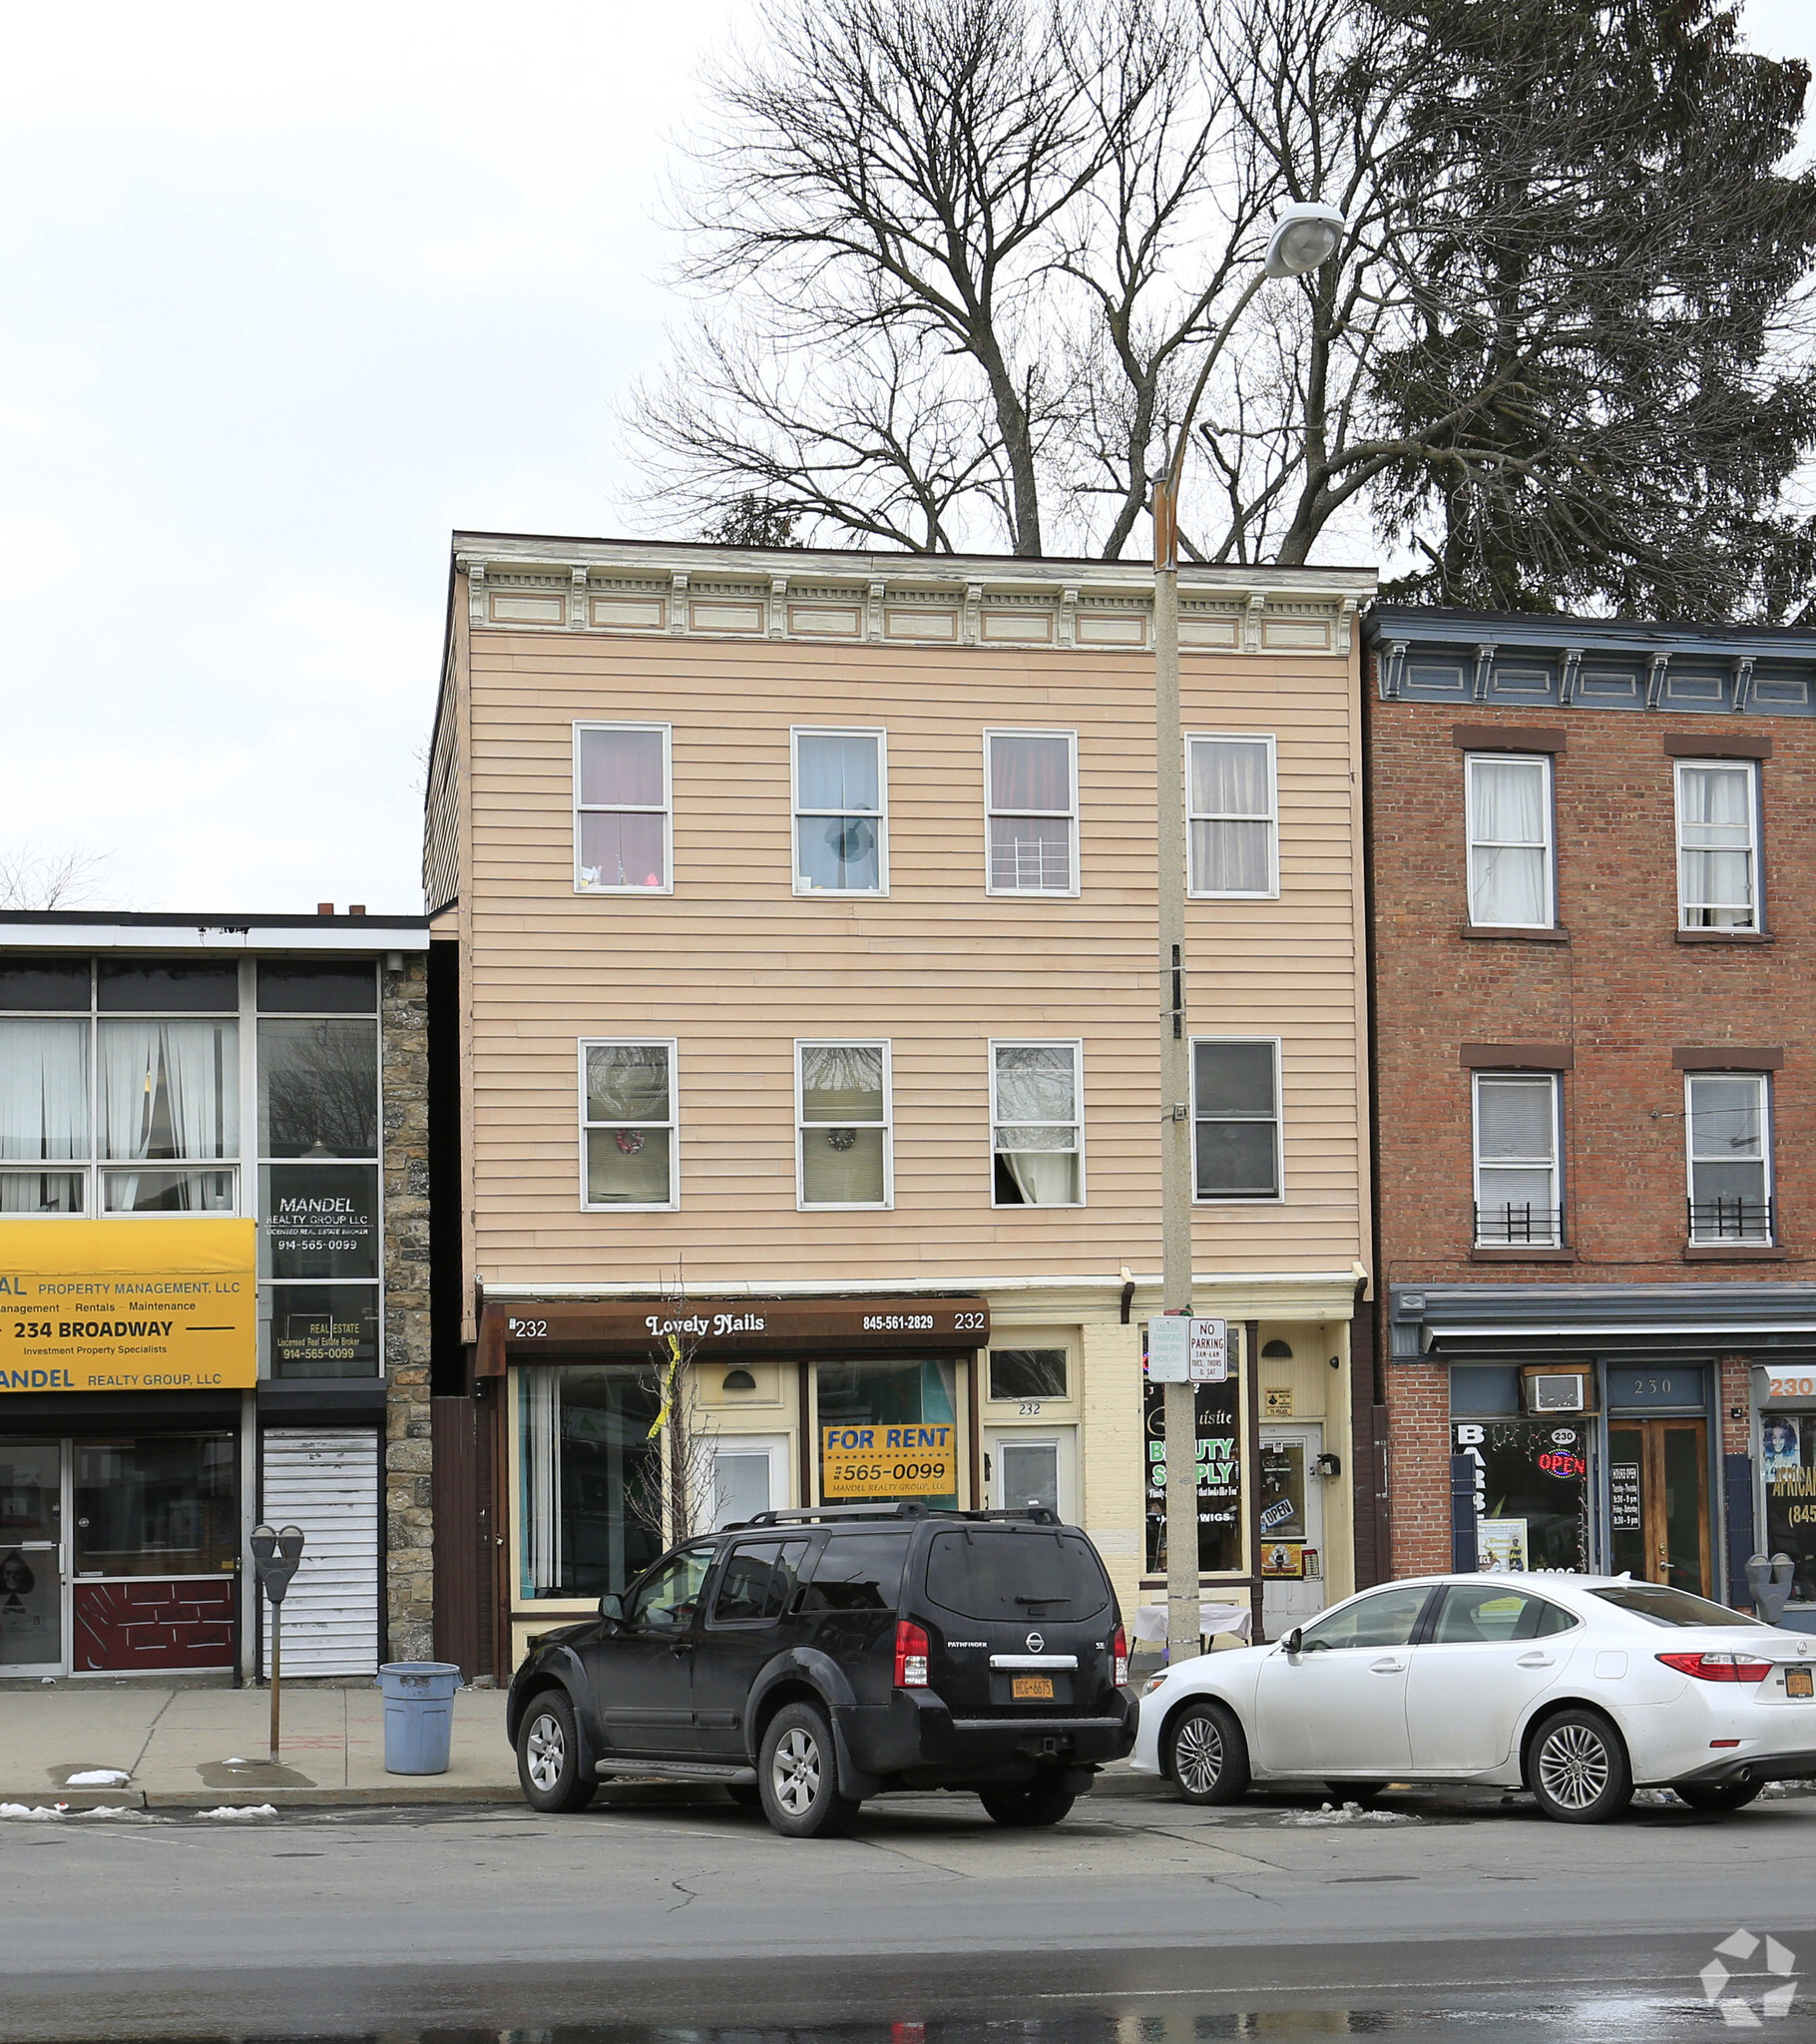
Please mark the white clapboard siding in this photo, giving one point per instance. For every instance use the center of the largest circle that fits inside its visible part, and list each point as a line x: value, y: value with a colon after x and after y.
x: 327, y: 1482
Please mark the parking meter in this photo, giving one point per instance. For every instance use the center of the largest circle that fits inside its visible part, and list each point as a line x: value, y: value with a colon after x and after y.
x: 1770, y: 1583
x: 276, y: 1556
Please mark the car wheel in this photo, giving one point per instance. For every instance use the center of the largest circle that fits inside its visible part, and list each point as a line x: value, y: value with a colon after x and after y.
x: 549, y: 1755
x: 1717, y: 1795
x: 747, y: 1795
x: 1206, y: 1754
x: 1044, y: 1800
x: 1577, y: 1769
x: 797, y: 1775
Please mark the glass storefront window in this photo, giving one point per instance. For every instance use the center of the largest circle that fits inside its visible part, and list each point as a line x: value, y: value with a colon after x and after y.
x: 317, y: 1088
x: 887, y: 1430
x: 1787, y: 1445
x: 320, y: 1221
x: 323, y: 1331
x: 1220, y: 1486
x: 169, y: 1089
x: 590, y: 1477
x: 161, y: 1505
x: 1533, y: 1492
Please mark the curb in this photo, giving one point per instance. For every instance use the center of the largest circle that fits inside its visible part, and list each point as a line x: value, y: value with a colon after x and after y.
x: 333, y: 1799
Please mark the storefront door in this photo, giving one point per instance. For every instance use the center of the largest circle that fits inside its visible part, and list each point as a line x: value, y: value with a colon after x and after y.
x: 1659, y: 1510
x: 1293, y: 1527
x: 32, y: 1560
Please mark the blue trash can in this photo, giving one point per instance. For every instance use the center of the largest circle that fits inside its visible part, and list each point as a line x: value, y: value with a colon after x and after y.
x: 418, y: 1715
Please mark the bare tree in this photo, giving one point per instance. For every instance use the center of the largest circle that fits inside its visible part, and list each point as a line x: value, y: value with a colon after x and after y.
x: 36, y: 876
x: 673, y: 1489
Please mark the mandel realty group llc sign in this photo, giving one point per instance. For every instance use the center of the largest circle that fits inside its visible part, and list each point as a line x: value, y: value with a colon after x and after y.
x: 127, y: 1306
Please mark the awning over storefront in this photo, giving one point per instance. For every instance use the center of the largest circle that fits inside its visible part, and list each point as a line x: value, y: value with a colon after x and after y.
x: 1459, y: 1321
x: 562, y: 1329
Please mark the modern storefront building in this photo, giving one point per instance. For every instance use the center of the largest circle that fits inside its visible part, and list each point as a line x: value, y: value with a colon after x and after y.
x: 213, y: 1289
x: 793, y: 981
x: 1594, y: 1062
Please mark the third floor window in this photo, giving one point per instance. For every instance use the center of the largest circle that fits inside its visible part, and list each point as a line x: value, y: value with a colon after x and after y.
x: 839, y: 804
x: 1235, y: 837
x: 1031, y: 791
x: 1717, y: 845
x: 1511, y: 878
x: 622, y: 841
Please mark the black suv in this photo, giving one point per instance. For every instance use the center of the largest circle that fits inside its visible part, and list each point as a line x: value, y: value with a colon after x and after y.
x: 810, y: 1658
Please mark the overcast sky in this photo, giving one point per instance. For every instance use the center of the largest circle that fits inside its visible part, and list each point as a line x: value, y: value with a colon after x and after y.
x: 284, y: 297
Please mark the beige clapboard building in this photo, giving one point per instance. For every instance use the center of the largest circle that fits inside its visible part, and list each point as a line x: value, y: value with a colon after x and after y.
x: 808, y: 1021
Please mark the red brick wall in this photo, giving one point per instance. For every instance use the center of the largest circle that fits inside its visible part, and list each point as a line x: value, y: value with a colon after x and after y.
x: 1623, y: 991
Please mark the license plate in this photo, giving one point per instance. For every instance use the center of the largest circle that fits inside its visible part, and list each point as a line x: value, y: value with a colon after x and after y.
x: 1032, y: 1687
x: 1800, y: 1681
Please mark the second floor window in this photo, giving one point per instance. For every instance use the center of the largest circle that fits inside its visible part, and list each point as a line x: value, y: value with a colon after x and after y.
x: 1236, y: 1119
x: 839, y: 846
x: 628, y: 1113
x: 843, y: 1123
x: 1511, y: 881
x: 1035, y: 1124
x: 621, y: 809
x: 1031, y: 791
x: 1717, y: 864
x: 1235, y: 845
x: 1726, y: 1117
x: 1517, y: 1202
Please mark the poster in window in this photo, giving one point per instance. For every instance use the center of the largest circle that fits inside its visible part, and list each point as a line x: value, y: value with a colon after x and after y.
x: 325, y: 1330
x: 322, y: 1220
x: 1219, y: 1470
x: 1533, y: 1488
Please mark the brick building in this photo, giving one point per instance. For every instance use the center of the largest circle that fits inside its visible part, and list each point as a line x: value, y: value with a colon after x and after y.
x: 1593, y: 914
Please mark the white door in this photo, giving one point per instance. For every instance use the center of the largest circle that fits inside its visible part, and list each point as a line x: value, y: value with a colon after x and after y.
x: 1493, y: 1648
x: 749, y: 1475
x: 1338, y: 1706
x: 1031, y: 1466
x: 1293, y: 1527
x: 32, y: 1580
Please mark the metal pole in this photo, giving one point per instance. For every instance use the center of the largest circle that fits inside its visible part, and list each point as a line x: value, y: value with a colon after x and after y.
x: 277, y: 1660
x: 1179, y: 1417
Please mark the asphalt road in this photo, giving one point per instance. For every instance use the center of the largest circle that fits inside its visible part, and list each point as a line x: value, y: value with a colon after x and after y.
x: 1135, y: 1923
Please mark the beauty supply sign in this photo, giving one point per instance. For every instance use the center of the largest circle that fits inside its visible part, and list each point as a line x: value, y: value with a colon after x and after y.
x: 127, y: 1306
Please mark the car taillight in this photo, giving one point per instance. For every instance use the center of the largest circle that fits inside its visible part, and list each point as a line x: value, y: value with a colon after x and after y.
x: 1718, y: 1667
x: 910, y: 1656
x: 1118, y: 1648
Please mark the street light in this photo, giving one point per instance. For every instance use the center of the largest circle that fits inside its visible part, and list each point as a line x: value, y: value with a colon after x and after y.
x: 1304, y: 238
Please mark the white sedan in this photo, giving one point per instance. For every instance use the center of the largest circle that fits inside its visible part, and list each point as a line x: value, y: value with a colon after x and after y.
x: 1579, y: 1688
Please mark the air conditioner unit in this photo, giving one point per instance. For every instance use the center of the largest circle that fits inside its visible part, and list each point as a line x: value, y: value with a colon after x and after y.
x: 1557, y: 1390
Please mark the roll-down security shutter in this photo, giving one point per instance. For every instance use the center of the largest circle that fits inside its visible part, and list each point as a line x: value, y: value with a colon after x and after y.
x: 327, y: 1482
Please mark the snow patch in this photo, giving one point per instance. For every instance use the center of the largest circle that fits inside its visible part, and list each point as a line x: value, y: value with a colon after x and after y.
x: 99, y: 1778
x: 1350, y: 1814
x: 246, y: 1809
x: 32, y: 1814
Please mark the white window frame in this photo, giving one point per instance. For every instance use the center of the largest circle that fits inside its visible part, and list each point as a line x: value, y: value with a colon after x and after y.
x: 673, y: 1124
x: 1270, y: 892
x: 1275, y: 1199
x: 585, y: 723
x: 803, y: 1203
x: 795, y: 812
x: 1762, y: 1087
x: 1556, y: 1164
x: 1547, y: 771
x: 1028, y: 731
x: 1750, y: 768
x: 1076, y: 1045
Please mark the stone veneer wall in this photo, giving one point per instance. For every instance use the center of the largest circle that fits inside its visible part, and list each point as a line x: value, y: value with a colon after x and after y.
x: 408, y: 1494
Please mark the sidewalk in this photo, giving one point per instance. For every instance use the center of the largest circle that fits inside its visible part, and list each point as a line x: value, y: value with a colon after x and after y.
x: 203, y: 1748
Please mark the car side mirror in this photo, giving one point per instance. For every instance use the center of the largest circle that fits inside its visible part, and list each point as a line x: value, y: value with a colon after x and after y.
x: 612, y: 1608
x: 1294, y: 1641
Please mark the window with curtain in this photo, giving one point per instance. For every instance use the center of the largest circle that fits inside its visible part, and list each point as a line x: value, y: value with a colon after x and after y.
x: 44, y: 1115
x: 630, y: 1124
x: 843, y: 1123
x: 1717, y: 865
x: 1728, y: 1141
x: 1032, y: 799
x: 1518, y: 1201
x: 169, y: 1093
x: 1510, y: 882
x: 1234, y: 831
x: 1036, y: 1124
x: 620, y: 808
x: 1236, y: 1119
x: 839, y: 846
